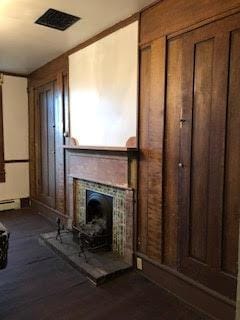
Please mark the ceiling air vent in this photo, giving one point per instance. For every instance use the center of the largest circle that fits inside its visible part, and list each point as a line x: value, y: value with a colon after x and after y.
x: 57, y: 19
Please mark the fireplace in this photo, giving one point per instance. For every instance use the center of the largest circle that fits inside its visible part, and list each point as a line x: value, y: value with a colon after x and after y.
x: 103, y: 214
x: 97, y: 229
x: 98, y: 178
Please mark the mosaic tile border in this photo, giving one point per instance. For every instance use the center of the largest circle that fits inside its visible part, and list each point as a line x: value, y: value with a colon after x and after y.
x: 122, y: 242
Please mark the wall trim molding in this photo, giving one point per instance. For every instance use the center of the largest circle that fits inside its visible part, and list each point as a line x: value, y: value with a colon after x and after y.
x: 194, y: 294
x: 48, y: 212
x: 17, y: 161
x: 13, y: 74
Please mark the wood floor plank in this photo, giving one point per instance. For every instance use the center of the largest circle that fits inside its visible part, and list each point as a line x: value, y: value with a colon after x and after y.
x: 37, y: 284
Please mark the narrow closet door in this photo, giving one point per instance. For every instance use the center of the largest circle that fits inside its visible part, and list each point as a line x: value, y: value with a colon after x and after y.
x: 46, y: 144
x: 209, y: 171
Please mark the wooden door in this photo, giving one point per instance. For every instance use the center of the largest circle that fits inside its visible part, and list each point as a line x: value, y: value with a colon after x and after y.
x: 45, y: 96
x: 209, y: 154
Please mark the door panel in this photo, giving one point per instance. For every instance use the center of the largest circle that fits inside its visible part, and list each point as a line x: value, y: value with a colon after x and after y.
x: 209, y: 155
x: 232, y: 167
x: 200, y: 149
x: 171, y: 151
x: 46, y: 141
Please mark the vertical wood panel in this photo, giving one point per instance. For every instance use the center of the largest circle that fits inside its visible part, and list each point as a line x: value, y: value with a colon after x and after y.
x: 171, y: 151
x: 185, y: 146
x: 201, y: 185
x: 44, y: 142
x: 201, y: 125
x: 145, y: 79
x: 217, y: 149
x: 156, y: 135
x: 232, y: 166
x: 37, y: 140
x: 66, y: 111
x: 61, y: 106
x: 32, y: 162
x: 203, y: 137
x: 51, y: 72
x: 2, y: 166
x: 51, y: 140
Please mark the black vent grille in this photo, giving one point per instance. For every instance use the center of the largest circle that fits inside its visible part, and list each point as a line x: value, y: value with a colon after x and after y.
x: 57, y: 20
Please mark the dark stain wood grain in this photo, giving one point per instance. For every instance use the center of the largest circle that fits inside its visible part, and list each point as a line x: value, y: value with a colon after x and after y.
x: 38, y: 284
x: 2, y: 165
x: 171, y: 152
x: 203, y: 147
x: 232, y: 168
x: 198, y: 189
x: 53, y: 72
x: 176, y: 15
x: 145, y: 78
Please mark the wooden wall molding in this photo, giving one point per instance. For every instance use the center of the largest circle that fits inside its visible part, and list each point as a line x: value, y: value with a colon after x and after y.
x: 45, y: 73
x: 21, y: 75
x: 205, y: 300
x: 178, y: 16
x: 17, y: 161
x: 49, y: 72
x: 105, y: 33
x: 107, y: 167
x: 48, y: 212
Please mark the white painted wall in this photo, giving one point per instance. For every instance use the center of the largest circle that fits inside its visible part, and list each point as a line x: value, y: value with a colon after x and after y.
x: 15, y: 128
x: 103, y: 81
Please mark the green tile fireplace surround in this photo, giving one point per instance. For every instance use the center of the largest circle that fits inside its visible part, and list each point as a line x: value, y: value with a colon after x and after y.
x: 122, y: 241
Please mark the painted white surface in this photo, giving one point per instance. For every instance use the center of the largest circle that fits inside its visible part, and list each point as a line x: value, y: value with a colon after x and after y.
x: 103, y: 80
x: 15, y: 125
x: 15, y: 118
x: 26, y: 46
x: 17, y: 182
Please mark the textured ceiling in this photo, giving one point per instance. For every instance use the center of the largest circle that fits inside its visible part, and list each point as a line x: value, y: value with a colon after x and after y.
x: 25, y: 46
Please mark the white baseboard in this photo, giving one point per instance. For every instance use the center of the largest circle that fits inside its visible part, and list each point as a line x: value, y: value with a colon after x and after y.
x: 10, y: 204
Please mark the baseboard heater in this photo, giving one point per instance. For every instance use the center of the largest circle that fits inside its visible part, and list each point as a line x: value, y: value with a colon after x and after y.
x: 10, y: 204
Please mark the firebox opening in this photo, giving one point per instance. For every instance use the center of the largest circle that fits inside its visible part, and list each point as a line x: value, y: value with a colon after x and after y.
x: 99, y: 209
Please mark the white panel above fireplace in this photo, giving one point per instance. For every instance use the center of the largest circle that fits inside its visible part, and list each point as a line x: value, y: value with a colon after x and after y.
x: 103, y: 80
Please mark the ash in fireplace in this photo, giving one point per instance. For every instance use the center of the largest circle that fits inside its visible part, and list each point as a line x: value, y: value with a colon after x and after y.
x: 95, y: 227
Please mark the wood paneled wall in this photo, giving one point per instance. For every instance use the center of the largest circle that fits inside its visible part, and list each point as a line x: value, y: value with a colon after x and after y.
x: 188, y: 212
x: 189, y: 150
x: 182, y: 15
x: 2, y: 165
x: 54, y: 72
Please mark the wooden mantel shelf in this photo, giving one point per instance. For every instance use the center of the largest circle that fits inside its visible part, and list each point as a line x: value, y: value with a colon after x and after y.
x: 102, y: 149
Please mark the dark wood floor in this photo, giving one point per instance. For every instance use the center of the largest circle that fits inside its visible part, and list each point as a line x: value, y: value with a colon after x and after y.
x: 38, y: 285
